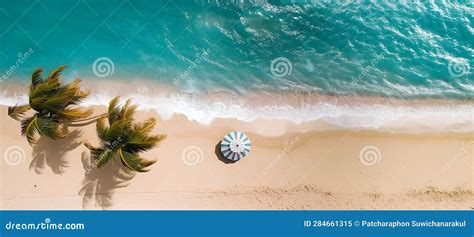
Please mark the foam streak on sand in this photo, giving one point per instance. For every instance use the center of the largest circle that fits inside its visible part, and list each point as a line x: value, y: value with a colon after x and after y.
x: 346, y: 112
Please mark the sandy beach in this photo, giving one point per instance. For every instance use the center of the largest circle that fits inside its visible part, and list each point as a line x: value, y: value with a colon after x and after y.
x: 286, y: 169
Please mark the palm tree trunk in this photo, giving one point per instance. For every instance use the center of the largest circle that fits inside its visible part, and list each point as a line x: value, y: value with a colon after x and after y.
x: 80, y: 124
x: 86, y: 121
x: 93, y: 118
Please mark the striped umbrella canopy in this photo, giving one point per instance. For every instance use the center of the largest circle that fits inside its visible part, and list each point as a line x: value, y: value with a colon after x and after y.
x: 235, y: 145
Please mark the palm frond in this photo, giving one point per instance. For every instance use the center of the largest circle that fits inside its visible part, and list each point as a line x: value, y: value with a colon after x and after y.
x: 29, y: 129
x: 53, y: 100
x: 56, y: 72
x: 54, y: 104
x: 140, y: 143
x: 78, y: 95
x: 100, y: 155
x: 118, y: 130
x: 139, y: 139
x: 73, y: 90
x: 43, y: 90
x: 124, y: 138
x: 145, y: 127
x: 114, y: 110
x: 102, y: 128
x: 36, y: 77
x: 49, y: 87
x: 129, y: 112
x: 72, y: 115
x: 50, y: 128
x: 18, y: 111
x: 134, y: 162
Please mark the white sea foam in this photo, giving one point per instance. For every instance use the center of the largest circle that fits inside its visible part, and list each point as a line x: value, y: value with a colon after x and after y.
x: 453, y: 117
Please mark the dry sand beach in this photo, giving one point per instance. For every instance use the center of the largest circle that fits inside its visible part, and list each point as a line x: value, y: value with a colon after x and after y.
x: 289, y: 167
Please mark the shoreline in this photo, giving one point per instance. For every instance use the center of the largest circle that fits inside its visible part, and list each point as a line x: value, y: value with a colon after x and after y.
x: 304, y: 112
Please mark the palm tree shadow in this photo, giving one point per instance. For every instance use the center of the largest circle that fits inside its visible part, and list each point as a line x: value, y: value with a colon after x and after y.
x: 99, y: 185
x: 52, y: 153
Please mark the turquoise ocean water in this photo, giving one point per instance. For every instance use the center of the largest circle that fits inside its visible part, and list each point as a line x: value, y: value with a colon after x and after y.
x: 402, y: 49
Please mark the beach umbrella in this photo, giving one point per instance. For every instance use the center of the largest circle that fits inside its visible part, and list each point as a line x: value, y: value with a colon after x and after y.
x: 235, y: 145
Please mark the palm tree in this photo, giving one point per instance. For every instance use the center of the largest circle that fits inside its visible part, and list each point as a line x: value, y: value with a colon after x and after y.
x: 54, y: 104
x: 123, y: 138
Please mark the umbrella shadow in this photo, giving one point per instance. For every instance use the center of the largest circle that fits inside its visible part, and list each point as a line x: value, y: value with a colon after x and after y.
x: 99, y: 185
x: 52, y: 153
x: 221, y: 157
